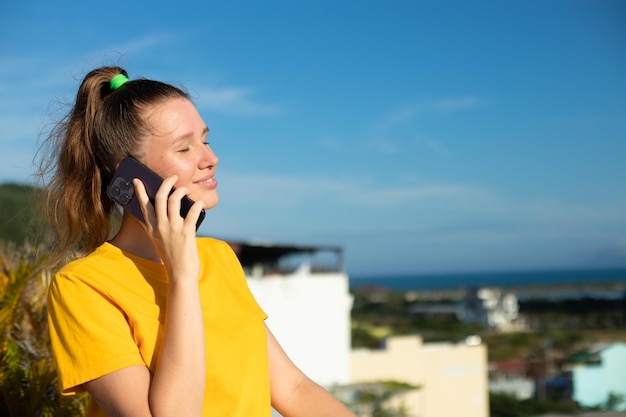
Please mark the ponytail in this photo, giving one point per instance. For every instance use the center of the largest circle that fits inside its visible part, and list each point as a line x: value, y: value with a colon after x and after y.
x: 82, y: 151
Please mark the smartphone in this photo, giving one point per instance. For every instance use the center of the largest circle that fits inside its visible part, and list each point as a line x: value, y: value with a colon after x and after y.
x: 121, y: 188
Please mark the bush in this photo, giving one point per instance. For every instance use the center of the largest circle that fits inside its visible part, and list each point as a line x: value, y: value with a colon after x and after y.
x: 28, y: 379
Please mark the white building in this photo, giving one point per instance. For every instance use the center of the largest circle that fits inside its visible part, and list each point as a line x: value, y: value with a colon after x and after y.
x: 490, y: 307
x: 305, y: 293
x: 510, y: 377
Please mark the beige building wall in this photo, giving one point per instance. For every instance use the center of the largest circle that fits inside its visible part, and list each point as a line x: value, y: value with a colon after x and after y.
x: 453, y: 377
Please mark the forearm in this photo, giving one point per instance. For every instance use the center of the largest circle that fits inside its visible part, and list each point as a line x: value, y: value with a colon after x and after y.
x: 179, y: 379
x: 308, y: 399
x: 293, y: 393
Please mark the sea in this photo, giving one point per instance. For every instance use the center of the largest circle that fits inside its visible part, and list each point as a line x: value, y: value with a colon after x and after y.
x: 605, y: 283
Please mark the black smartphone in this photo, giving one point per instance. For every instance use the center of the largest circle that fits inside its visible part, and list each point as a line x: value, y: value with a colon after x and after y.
x: 121, y: 188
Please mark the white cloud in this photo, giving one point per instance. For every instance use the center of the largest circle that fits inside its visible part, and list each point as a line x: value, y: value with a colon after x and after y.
x: 233, y: 100
x: 400, y: 114
x: 383, y: 145
x: 408, y: 111
x: 454, y: 104
x: 430, y: 203
x: 395, y: 196
x: 454, y: 220
x: 141, y: 44
x: 281, y: 191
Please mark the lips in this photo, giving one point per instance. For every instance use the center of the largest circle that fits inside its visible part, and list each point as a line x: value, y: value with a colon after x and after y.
x: 208, y: 182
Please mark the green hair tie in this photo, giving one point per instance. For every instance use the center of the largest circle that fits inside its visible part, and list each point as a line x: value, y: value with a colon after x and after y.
x: 118, y: 81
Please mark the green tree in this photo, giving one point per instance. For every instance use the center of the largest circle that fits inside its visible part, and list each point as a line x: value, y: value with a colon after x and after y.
x: 614, y: 401
x: 507, y: 405
x: 21, y: 216
x: 28, y: 379
x: 373, y: 399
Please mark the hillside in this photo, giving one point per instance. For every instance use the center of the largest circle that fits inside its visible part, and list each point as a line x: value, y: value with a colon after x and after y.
x: 18, y: 213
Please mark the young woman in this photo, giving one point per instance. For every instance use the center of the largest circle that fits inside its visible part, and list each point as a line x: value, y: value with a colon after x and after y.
x: 147, y: 318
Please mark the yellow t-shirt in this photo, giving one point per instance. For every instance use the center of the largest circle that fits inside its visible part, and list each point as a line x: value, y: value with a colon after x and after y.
x: 106, y: 312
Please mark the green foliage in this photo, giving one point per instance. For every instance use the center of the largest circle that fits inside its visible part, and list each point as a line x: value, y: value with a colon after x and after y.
x: 28, y: 379
x: 375, y: 398
x: 392, y: 310
x: 379, y: 308
x: 363, y: 337
x: 20, y: 217
x: 614, y: 401
x: 504, y: 346
x: 506, y: 405
x: 580, y: 313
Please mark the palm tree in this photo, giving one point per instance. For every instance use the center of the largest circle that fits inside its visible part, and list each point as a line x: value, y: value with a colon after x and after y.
x: 28, y: 379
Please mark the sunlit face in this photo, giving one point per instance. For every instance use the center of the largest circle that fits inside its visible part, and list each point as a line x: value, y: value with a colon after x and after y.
x: 178, y: 145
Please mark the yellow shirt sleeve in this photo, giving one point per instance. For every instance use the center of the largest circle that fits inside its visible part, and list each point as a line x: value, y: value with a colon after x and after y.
x: 89, y: 334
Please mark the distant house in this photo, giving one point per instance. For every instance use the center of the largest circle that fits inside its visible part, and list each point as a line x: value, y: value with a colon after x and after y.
x: 600, y: 376
x: 452, y: 377
x: 491, y: 307
x: 509, y: 377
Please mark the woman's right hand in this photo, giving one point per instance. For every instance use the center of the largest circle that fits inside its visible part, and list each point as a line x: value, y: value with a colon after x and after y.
x: 178, y: 381
x: 173, y: 236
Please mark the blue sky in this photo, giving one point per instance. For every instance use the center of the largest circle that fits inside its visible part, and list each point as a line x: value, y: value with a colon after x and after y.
x: 439, y: 136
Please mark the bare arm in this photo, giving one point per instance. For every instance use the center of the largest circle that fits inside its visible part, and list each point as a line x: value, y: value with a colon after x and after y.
x: 293, y: 393
x: 177, y: 386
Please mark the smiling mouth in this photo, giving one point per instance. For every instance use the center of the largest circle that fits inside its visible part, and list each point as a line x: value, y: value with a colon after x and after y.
x: 205, y: 179
x: 210, y: 182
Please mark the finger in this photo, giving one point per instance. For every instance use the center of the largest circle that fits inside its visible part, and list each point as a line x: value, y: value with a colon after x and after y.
x: 175, y: 202
x: 161, y: 197
x: 194, y: 214
x: 147, y: 209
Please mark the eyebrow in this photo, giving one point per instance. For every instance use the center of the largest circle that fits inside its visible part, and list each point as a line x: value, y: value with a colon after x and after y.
x: 205, y: 132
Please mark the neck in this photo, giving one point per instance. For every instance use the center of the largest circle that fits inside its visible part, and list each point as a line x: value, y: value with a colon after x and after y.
x: 133, y: 238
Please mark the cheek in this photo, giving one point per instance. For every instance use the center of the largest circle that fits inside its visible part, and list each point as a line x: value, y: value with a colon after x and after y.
x: 184, y: 173
x: 164, y: 168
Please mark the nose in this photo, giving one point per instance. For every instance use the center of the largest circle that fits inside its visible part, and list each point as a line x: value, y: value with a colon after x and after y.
x: 209, y: 159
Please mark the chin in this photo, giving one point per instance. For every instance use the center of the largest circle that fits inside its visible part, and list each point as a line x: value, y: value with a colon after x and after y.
x: 210, y: 203
x: 210, y: 199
